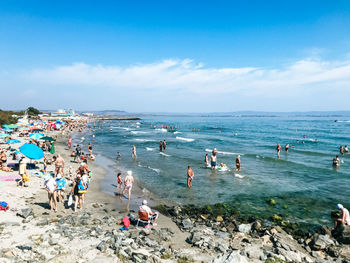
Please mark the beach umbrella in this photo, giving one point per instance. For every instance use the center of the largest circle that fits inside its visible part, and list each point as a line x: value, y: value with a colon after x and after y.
x: 31, y: 151
x: 47, y: 138
x: 12, y: 126
x: 4, y: 135
x: 13, y: 141
x: 36, y: 136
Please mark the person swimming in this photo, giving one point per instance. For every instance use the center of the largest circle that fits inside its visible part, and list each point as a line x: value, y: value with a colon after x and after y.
x: 346, y: 149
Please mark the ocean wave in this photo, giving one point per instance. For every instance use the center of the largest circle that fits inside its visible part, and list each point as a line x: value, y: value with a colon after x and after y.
x: 150, y: 149
x: 239, y: 176
x: 161, y: 130
x: 224, y: 153
x: 143, y: 140
x: 164, y: 154
x: 184, y: 139
x: 177, y: 132
x: 149, y: 167
x: 139, y: 132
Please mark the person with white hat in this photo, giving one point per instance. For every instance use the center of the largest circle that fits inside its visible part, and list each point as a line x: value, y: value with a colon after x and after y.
x: 152, y: 216
x: 344, y: 217
x: 128, y: 181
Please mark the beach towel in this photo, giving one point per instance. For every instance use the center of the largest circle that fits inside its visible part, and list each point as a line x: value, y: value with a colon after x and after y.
x: 126, y: 221
x: 8, y: 178
x: 4, y: 206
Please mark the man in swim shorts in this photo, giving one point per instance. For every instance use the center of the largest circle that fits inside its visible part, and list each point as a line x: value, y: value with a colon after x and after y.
x: 129, y: 179
x: 190, y: 175
x: 59, y: 165
x: 213, y: 159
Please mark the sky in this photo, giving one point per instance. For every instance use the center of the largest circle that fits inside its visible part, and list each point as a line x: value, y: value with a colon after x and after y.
x: 175, y: 56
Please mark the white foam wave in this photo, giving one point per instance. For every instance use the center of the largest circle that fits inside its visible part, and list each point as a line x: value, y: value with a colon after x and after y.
x: 224, y: 153
x: 149, y: 167
x: 222, y: 169
x: 161, y: 130
x: 239, y: 176
x: 139, y: 132
x: 150, y: 149
x: 164, y: 154
x: 184, y: 139
x: 143, y: 140
x: 343, y: 121
x: 177, y: 132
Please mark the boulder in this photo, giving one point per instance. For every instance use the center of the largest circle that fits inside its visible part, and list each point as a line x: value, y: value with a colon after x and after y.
x: 321, y: 242
x: 26, y: 212
x: 342, y: 234
x: 102, y: 246
x: 186, y: 223
x: 244, y: 228
x: 232, y: 257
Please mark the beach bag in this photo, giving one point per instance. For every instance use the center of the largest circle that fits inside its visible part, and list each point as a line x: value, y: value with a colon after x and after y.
x: 4, y: 206
x: 70, y: 200
x: 126, y: 221
x: 81, y: 189
x: 25, y: 178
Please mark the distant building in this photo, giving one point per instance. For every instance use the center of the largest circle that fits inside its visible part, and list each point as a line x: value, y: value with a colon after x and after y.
x: 63, y: 113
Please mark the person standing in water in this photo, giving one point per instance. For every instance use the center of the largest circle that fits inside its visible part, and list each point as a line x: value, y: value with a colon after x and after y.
x: 278, y: 148
x: 164, y: 145
x: 190, y: 176
x: 341, y: 150
x: 286, y: 147
x: 336, y: 161
x: 238, y: 163
x: 160, y: 146
x: 213, y: 159
x: 133, y: 151
x: 346, y: 149
x: 206, y: 159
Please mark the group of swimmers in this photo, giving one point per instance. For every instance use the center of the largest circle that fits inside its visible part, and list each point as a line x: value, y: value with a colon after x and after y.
x: 213, y: 161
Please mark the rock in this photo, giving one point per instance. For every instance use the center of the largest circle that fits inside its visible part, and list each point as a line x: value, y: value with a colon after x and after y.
x: 321, y: 242
x: 342, y: 234
x: 219, y: 219
x: 53, y: 241
x: 28, y: 219
x: 195, y: 237
x: 43, y: 222
x: 25, y: 212
x: 233, y: 257
x: 95, y: 205
x: 102, y: 246
x: 271, y: 202
x: 244, y: 228
x: 186, y: 223
x: 9, y: 254
x: 344, y: 251
x: 256, y: 225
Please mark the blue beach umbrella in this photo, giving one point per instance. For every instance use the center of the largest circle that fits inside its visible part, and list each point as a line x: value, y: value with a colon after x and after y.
x: 31, y: 151
x: 4, y: 135
x: 36, y: 136
x: 13, y: 141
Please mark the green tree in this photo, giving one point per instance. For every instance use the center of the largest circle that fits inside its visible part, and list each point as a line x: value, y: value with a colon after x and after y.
x: 33, y: 111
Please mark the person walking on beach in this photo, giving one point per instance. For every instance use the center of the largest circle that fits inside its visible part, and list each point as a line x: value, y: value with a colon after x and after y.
x: 238, y: 163
x: 133, y: 152
x: 90, y: 148
x: 22, y: 170
x: 213, y: 159
x: 190, y: 176
x: 160, y: 146
x: 50, y: 187
x: 59, y: 165
x: 78, y: 190
x: 119, y: 183
x: 70, y: 143
x: 344, y: 217
x: 164, y: 145
x: 77, y: 153
x: 128, y: 181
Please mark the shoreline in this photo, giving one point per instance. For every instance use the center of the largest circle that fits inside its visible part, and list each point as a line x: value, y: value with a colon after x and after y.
x: 184, y: 233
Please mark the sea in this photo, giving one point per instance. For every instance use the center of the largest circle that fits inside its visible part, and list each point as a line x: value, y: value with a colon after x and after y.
x: 302, y: 182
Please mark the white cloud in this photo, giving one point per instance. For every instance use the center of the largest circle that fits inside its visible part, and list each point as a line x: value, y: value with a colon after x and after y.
x: 181, y: 78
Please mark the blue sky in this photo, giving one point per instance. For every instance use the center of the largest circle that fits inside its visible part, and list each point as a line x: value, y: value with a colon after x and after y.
x: 193, y: 56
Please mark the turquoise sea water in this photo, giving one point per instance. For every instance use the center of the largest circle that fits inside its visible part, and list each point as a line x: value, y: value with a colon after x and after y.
x: 302, y: 181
